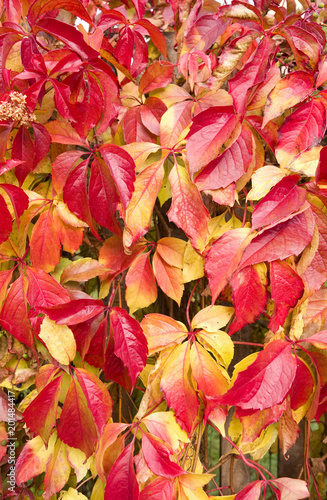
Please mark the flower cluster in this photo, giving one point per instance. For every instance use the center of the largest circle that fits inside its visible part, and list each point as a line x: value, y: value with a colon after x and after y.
x: 15, y: 109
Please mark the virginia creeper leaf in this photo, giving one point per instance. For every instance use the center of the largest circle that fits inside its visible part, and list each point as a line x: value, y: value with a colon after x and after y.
x: 249, y: 296
x: 156, y: 455
x: 41, y: 414
x: 121, y: 482
x: 76, y: 425
x: 267, y: 381
x: 223, y: 258
x: 130, y: 341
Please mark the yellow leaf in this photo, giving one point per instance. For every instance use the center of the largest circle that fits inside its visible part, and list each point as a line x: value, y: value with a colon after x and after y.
x: 163, y: 424
x: 77, y: 460
x: 72, y: 494
x: 219, y: 344
x: 306, y: 163
x: 212, y: 318
x: 67, y: 216
x: 98, y: 490
x: 59, y: 340
x: 263, y: 180
x: 140, y: 151
x: 193, y: 264
x: 243, y: 364
x: 197, y: 494
x: 261, y: 445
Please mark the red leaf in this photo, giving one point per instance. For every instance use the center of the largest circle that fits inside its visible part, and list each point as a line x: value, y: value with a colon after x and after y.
x: 40, y: 7
x: 156, y: 36
x: 151, y: 113
x: 268, y: 133
x: 45, y: 244
x: 122, y: 168
x: 301, y: 130
x: 251, y: 74
x: 67, y: 33
x: 43, y: 290
x: 130, y: 342
x: 303, y: 385
x: 114, y: 368
x: 249, y: 297
x: 17, y: 197
x: 121, y: 482
x: 103, y: 196
x: 74, y: 312
x: 76, y: 425
x: 42, y: 142
x: 286, y: 289
x: 187, y: 210
x: 125, y: 47
x: 23, y: 149
x: 75, y: 194
x: 203, y: 33
x: 14, y: 316
x: 41, y: 414
x: 284, y: 198
x: 251, y: 492
x: 96, y: 349
x: 159, y: 489
x: 61, y: 168
x: 316, y: 273
x: 159, y: 74
x: 97, y: 396
x: 279, y: 242
x: 134, y: 130
x: 157, y: 457
x: 230, y: 165
x: 209, y: 131
x: 6, y: 221
x: 267, y: 381
x: 223, y: 258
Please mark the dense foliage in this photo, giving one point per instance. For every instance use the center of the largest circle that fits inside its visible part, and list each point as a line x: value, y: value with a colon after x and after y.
x: 162, y: 186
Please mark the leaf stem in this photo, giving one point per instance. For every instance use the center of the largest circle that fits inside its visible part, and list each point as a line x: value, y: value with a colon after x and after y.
x: 188, y: 305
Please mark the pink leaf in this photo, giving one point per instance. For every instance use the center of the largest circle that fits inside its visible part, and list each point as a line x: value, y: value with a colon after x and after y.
x: 223, y: 258
x: 292, y: 489
x: 121, y: 481
x: 130, y: 342
x: 156, y: 455
x: 279, y: 242
x: 249, y: 296
x: 74, y: 312
x: 286, y: 289
x: 209, y: 131
x: 122, y: 169
x: 284, y: 198
x: 267, y: 381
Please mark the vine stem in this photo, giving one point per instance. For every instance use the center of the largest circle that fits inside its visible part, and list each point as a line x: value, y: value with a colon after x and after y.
x: 314, y: 482
x: 243, y: 457
x: 247, y: 343
x: 198, y: 444
x: 189, y: 303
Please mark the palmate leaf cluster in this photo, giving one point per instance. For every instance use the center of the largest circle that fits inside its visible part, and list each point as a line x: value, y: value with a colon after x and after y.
x: 162, y: 186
